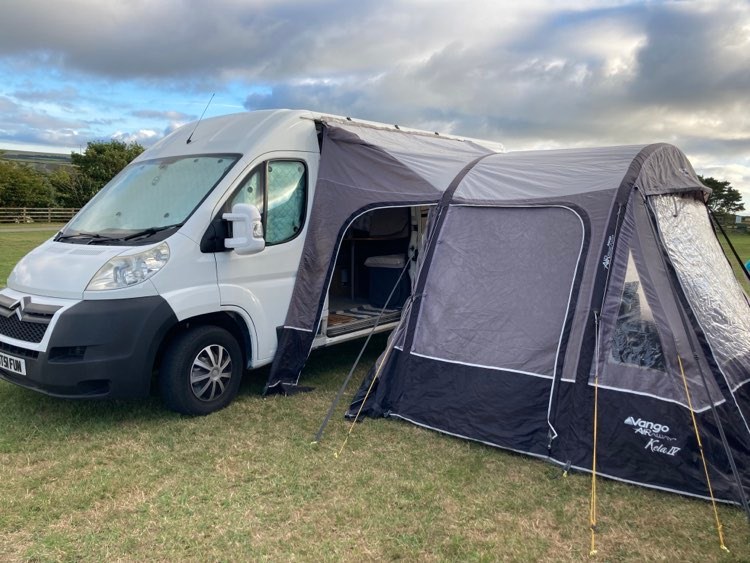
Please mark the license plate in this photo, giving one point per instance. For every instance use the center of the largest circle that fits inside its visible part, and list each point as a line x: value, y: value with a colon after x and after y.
x: 11, y: 363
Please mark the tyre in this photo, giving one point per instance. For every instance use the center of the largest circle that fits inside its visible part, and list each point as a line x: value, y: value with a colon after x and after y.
x: 201, y: 371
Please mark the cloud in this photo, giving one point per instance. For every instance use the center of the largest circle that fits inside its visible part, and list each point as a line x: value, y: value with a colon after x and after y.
x: 142, y: 136
x: 531, y: 75
x: 7, y: 106
x: 694, y: 55
x: 63, y: 97
x: 163, y: 115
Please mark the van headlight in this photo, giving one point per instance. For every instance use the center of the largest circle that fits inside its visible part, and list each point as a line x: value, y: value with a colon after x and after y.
x: 124, y: 271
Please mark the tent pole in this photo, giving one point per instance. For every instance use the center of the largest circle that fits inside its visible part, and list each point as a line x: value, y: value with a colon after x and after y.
x: 720, y: 426
x: 339, y: 394
x: 719, y: 527
x: 387, y: 353
x: 592, y: 504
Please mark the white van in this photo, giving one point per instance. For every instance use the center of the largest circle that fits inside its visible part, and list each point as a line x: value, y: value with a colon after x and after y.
x: 184, y: 265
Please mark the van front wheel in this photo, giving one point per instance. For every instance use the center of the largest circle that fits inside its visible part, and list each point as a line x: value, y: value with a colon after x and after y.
x: 201, y: 371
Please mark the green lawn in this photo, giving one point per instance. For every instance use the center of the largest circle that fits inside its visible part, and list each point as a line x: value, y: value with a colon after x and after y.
x: 741, y: 243
x: 101, y: 481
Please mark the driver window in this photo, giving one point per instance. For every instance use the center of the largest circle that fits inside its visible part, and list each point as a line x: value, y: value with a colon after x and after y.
x: 278, y: 190
x: 250, y: 191
x: 286, y: 200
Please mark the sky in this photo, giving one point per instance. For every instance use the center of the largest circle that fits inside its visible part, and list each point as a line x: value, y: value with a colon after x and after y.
x: 532, y: 74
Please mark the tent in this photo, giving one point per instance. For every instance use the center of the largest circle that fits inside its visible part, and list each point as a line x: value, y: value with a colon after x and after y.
x: 547, y: 280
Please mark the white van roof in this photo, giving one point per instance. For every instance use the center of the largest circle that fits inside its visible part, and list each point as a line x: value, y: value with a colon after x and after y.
x: 254, y: 130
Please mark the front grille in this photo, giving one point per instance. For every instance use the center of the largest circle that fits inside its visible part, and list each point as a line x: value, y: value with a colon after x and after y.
x: 22, y: 330
x: 16, y: 351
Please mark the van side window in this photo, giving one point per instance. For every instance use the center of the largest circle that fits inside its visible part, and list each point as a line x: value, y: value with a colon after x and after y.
x: 278, y: 189
x: 251, y: 190
x: 286, y: 200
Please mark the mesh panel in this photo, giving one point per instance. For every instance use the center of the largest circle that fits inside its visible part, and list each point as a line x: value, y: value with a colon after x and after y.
x: 635, y: 339
x: 20, y: 330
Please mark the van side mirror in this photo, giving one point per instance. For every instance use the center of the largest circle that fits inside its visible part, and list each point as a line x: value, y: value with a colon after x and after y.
x: 247, y: 229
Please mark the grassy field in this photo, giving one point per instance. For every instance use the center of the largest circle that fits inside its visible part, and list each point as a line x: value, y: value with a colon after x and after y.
x: 94, y: 481
x: 741, y: 244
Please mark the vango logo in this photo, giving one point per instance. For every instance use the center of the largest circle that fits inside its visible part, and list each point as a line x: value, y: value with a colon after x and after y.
x: 647, y: 425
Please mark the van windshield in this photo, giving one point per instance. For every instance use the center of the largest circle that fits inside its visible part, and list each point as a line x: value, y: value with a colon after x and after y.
x: 148, y: 200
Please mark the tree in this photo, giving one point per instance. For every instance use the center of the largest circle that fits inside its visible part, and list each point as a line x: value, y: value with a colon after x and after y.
x: 22, y: 186
x: 71, y: 188
x: 101, y: 160
x: 92, y: 169
x: 724, y: 198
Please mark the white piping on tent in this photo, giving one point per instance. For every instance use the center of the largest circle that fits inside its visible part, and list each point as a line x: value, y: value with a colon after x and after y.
x: 495, y: 368
x: 647, y: 485
x: 557, y: 462
x: 486, y: 443
x: 676, y: 402
x: 298, y: 328
x: 562, y: 329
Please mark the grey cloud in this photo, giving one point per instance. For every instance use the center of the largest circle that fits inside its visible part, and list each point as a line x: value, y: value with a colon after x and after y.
x: 179, y: 38
x: 7, y: 106
x: 736, y: 148
x: 40, y: 120
x: 18, y: 123
x: 693, y: 57
x: 59, y: 138
x: 62, y: 96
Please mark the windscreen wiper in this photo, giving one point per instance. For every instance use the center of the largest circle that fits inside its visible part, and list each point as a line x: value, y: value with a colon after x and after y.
x: 150, y: 231
x: 83, y: 235
x: 96, y: 238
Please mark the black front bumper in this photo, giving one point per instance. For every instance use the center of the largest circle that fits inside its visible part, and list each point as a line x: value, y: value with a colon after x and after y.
x: 98, y: 349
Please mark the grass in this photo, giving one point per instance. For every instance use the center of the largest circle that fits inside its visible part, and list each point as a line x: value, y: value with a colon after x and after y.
x: 93, y: 481
x: 741, y: 243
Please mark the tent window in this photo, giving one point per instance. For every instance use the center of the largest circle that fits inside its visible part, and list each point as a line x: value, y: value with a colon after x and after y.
x: 635, y: 340
x: 716, y: 297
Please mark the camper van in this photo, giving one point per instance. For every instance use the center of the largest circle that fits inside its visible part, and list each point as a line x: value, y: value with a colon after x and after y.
x: 182, y: 268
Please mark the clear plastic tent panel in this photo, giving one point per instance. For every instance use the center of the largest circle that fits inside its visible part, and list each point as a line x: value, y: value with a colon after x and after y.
x: 715, y: 295
x: 635, y: 339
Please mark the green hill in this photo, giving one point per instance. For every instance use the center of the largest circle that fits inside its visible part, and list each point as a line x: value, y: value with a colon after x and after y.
x: 42, y: 161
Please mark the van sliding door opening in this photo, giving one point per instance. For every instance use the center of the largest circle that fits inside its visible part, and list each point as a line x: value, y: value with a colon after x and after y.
x: 373, y: 253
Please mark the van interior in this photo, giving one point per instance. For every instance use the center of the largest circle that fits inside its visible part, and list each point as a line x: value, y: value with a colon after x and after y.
x: 375, y: 249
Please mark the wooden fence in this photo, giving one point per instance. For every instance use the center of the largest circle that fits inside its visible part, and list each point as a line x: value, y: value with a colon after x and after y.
x: 36, y: 214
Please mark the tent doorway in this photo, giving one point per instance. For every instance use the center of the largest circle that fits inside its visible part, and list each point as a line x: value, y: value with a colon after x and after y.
x: 373, y: 252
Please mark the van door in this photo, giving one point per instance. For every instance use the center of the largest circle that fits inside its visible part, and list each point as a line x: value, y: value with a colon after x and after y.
x: 260, y: 285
